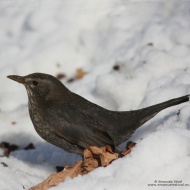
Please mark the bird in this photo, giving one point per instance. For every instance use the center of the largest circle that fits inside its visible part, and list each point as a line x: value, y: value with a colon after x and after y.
x: 73, y: 123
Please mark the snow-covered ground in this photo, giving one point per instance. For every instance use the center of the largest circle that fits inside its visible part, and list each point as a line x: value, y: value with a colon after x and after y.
x: 149, y: 41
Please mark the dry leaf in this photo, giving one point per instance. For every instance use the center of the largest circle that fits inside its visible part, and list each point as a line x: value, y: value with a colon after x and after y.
x: 94, y: 157
x: 116, y: 67
x: 59, y: 177
x: 29, y: 146
x: 7, y: 148
x: 80, y: 73
x: 60, y: 76
x: 105, y: 154
x: 4, y: 164
x: 89, y: 163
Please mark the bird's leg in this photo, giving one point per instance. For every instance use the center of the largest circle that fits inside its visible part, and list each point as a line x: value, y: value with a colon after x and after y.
x: 129, y: 146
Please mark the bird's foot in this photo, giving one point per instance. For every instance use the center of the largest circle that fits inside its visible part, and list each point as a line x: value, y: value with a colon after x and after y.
x: 129, y: 146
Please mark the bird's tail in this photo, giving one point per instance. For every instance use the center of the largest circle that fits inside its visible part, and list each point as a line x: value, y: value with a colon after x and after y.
x: 149, y: 112
x: 137, y: 118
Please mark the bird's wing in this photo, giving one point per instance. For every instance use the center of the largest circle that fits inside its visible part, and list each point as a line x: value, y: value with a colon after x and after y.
x: 77, y: 126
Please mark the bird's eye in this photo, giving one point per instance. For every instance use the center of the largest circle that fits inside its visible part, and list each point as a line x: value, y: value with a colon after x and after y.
x: 35, y: 83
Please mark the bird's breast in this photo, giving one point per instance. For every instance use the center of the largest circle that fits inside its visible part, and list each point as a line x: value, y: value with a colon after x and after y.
x: 38, y: 117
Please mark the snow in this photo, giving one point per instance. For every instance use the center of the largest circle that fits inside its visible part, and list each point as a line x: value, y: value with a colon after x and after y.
x: 148, y: 40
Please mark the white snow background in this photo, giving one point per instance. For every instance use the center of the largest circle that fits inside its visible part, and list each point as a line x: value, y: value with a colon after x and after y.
x: 148, y: 40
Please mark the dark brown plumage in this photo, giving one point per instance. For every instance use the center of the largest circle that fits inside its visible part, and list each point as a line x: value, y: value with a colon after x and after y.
x: 71, y: 122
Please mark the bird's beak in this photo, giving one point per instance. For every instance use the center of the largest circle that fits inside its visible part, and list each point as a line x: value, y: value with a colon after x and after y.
x: 17, y: 78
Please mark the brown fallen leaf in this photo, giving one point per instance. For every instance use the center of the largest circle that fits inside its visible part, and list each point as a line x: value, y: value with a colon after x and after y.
x: 89, y: 163
x: 80, y: 73
x: 60, y: 76
x: 4, y: 164
x: 150, y: 44
x: 55, y: 179
x: 29, y: 146
x: 58, y: 65
x: 7, y: 148
x: 71, y: 80
x: 116, y: 67
x: 13, y: 122
x: 93, y: 158
x: 105, y: 154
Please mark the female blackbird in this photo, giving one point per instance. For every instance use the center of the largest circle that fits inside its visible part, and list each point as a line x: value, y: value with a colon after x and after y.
x: 71, y: 122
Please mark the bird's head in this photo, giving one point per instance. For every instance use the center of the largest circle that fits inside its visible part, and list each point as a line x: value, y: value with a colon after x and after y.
x: 41, y: 85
